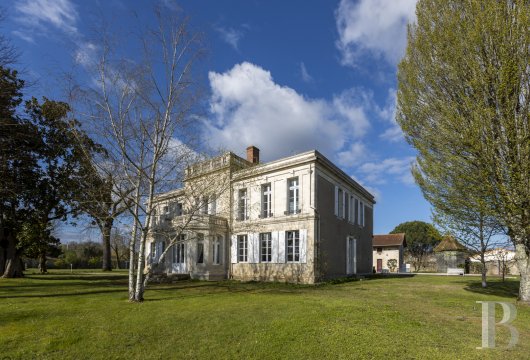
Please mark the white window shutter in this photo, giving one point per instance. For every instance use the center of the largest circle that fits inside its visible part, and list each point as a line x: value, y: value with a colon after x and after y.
x: 275, y: 247
x: 233, y: 250
x: 281, y: 247
x: 303, y: 245
x: 336, y: 201
x: 253, y: 248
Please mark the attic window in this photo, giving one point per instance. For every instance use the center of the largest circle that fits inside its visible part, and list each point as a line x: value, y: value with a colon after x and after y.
x: 379, y: 250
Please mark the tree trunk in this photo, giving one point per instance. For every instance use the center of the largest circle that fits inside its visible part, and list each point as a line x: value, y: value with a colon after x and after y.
x: 13, y: 267
x: 117, y: 254
x: 2, y: 259
x: 42, y: 264
x: 523, y: 264
x: 106, y: 228
x: 483, y: 262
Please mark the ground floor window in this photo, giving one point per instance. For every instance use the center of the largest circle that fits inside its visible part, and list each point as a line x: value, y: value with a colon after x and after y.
x: 178, y: 253
x: 200, y: 253
x: 265, y: 247
x: 242, y: 248
x: 217, y: 249
x: 293, y: 246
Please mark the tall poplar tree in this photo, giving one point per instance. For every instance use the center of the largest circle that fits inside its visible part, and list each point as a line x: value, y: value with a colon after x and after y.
x: 463, y: 103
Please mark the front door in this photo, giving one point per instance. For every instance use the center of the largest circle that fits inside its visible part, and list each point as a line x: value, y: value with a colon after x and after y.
x: 379, y: 265
x: 179, y: 259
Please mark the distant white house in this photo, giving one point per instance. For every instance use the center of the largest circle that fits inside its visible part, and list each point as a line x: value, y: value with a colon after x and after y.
x: 496, y: 259
x: 297, y: 219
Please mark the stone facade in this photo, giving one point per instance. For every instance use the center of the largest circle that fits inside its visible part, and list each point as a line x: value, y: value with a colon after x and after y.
x: 297, y: 219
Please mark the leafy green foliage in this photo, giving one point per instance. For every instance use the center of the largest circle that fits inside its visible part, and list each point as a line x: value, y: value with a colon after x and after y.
x: 463, y: 103
x: 40, y: 151
x: 421, y: 238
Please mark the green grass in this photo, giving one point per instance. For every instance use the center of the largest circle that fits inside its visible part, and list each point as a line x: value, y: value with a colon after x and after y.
x: 85, y: 315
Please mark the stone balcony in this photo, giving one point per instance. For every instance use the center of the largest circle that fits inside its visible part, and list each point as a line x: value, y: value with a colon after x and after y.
x: 192, y: 222
x: 224, y: 161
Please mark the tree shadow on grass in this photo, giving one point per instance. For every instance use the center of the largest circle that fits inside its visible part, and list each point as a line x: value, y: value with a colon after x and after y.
x: 508, y: 289
x: 77, y: 293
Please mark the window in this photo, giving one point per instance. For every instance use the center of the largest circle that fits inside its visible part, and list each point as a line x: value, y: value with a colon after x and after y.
x: 346, y: 205
x: 293, y: 246
x: 294, y: 198
x: 178, y: 209
x: 341, y: 203
x: 178, y: 253
x: 152, y: 250
x: 266, y: 197
x: 165, y: 209
x: 217, y: 250
x: 379, y: 250
x: 361, y: 213
x: 213, y: 205
x: 265, y: 247
x: 204, y: 205
x: 242, y: 248
x: 351, y: 210
x: 242, y: 205
x: 200, y: 253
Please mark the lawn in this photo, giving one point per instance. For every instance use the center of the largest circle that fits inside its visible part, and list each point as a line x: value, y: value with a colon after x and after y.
x: 85, y: 315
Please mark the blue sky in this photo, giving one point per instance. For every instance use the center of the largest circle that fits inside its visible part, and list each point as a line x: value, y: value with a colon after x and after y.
x: 286, y: 76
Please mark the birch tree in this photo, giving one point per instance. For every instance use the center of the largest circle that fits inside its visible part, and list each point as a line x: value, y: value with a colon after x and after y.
x: 463, y: 103
x: 143, y: 106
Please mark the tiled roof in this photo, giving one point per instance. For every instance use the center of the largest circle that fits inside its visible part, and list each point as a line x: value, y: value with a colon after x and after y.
x: 389, y: 240
x: 449, y: 243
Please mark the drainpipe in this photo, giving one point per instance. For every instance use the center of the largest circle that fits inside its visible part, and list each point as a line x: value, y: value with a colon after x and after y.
x: 311, y: 205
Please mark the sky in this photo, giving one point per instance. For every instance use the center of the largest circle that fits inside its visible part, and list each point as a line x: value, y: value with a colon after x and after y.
x: 285, y: 76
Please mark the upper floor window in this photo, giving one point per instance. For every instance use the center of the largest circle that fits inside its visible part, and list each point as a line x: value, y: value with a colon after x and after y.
x: 242, y: 205
x: 361, y: 213
x: 242, y: 248
x: 293, y: 246
x: 265, y: 240
x: 165, y: 209
x: 294, y: 198
x: 351, y: 212
x: 178, y: 209
x: 204, y: 205
x: 266, y: 201
x: 341, y: 203
x: 212, y: 205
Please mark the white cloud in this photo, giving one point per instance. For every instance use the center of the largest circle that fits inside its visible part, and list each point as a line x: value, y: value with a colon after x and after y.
x: 38, y: 13
x: 231, y: 36
x: 376, y: 27
x: 355, y: 154
x: 396, y: 169
x: 306, y: 77
x: 249, y: 108
x: 85, y: 54
x: 388, y: 113
x: 24, y: 36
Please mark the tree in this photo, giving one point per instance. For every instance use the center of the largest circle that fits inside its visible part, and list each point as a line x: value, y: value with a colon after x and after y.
x: 119, y: 245
x: 463, y: 104
x: 8, y: 53
x: 392, y: 265
x: 39, y: 159
x: 421, y: 240
x: 145, y: 106
x: 38, y: 242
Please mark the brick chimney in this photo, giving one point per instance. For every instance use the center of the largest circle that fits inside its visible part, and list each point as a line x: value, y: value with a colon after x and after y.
x: 253, y: 154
